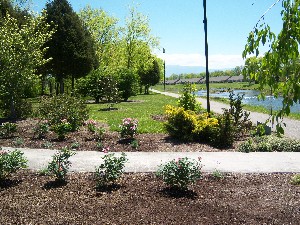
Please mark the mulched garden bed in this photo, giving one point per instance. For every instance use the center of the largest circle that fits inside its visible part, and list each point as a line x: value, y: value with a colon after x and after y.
x: 85, y: 141
x: 28, y: 198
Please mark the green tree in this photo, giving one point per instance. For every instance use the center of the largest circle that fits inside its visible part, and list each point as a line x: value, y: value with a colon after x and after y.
x: 105, y: 34
x: 281, y: 61
x: 21, y: 52
x: 150, y: 77
x: 71, y: 48
x: 137, y: 40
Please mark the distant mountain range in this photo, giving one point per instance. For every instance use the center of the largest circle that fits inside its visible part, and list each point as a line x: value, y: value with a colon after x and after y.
x: 170, y: 69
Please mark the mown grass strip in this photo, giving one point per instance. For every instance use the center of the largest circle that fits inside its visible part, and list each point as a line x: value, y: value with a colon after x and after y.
x: 141, y: 107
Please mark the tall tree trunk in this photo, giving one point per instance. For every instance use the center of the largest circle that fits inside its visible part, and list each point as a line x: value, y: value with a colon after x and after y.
x: 61, y: 85
x: 73, y: 85
x: 50, y: 87
x: 43, y: 85
x: 13, y: 113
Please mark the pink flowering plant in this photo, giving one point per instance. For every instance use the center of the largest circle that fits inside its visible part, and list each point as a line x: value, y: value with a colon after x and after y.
x: 93, y: 128
x: 91, y: 125
x: 180, y: 173
x: 110, y: 170
x: 60, y: 164
x: 62, y: 128
x: 11, y: 162
x: 129, y: 127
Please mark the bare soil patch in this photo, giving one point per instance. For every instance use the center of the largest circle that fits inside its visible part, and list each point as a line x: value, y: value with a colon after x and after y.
x: 143, y: 199
x: 85, y: 141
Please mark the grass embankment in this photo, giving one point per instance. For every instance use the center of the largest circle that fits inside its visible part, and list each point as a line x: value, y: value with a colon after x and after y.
x: 141, y: 107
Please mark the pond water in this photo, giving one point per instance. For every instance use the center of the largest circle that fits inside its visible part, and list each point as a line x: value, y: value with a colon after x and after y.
x: 250, y: 98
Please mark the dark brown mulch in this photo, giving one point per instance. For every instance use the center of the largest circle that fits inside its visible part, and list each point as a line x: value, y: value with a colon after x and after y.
x: 86, y: 141
x: 143, y: 199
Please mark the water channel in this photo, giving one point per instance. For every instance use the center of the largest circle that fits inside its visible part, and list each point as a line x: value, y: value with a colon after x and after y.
x: 250, y: 98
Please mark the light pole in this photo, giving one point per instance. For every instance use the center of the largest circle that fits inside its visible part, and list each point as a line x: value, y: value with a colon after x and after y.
x: 206, y: 56
x: 164, y: 51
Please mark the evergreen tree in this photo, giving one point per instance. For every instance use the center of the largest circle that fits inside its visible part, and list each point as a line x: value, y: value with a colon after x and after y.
x: 71, y: 48
x: 150, y: 77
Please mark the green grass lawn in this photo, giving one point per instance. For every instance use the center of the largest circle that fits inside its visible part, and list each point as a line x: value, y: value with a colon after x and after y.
x: 141, y: 107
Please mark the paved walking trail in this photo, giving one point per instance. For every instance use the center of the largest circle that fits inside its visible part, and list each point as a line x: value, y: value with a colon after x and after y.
x: 292, y: 128
x: 236, y: 162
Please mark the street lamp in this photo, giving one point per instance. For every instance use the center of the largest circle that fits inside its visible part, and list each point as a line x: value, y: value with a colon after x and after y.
x: 164, y: 51
x: 206, y: 56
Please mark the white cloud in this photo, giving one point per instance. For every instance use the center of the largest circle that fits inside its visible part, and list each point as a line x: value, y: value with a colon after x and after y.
x: 214, y: 61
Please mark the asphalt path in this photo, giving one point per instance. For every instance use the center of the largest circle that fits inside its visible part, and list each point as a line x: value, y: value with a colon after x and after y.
x: 292, y: 129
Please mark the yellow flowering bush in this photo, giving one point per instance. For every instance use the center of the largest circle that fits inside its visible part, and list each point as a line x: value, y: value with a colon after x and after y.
x: 187, y: 125
x: 181, y: 123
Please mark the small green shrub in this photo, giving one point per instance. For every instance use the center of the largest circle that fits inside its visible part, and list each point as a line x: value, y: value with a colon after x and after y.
x: 246, y: 146
x: 41, y: 129
x: 47, y: 144
x: 18, y: 141
x: 270, y: 143
x: 62, y: 128
x: 223, y: 135
x: 218, y: 175
x: 180, y: 173
x: 11, y: 162
x: 60, y: 164
x: 135, y: 144
x: 187, y: 125
x: 295, y: 180
x: 110, y: 170
x: 63, y: 107
x: 8, y: 129
x: 75, y: 145
x: 128, y: 127
x: 94, y: 129
x: 180, y: 123
x: 188, y: 99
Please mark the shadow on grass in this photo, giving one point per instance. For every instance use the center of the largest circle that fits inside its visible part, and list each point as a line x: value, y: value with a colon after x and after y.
x: 55, y: 184
x: 7, y: 183
x: 175, y: 192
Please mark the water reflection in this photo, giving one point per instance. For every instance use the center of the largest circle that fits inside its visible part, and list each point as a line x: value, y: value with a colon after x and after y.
x: 250, y: 98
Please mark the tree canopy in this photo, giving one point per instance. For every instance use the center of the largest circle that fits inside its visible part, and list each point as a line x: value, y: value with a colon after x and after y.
x: 21, y: 53
x: 71, y: 47
x: 279, y: 68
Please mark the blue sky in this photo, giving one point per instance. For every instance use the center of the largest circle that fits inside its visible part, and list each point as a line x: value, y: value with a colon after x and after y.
x: 179, y: 25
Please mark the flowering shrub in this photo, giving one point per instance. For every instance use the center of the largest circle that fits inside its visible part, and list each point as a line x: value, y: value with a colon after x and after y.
x: 129, y: 127
x: 60, y: 164
x: 7, y: 129
x: 180, y: 173
x: 110, y: 170
x: 94, y: 129
x: 91, y: 125
x: 270, y: 143
x: 41, y: 129
x: 11, y: 162
x: 187, y: 125
x: 60, y: 107
x: 62, y: 128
